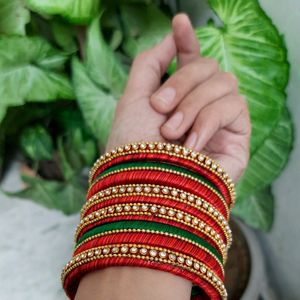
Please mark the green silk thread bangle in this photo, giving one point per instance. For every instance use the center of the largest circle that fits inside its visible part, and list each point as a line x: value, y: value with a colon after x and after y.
x: 157, y: 165
x: 150, y: 226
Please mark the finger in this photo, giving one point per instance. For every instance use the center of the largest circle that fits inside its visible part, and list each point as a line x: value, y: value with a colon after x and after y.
x: 228, y: 113
x: 182, y: 83
x: 184, y: 116
x: 186, y: 41
x: 149, y: 66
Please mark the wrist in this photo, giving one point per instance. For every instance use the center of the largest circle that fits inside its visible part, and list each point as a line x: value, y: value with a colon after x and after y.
x: 128, y: 283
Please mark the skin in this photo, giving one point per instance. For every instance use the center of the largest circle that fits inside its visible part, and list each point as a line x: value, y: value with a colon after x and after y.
x: 199, y: 107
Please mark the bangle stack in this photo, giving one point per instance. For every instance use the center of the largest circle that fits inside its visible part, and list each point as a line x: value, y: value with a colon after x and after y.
x: 155, y: 205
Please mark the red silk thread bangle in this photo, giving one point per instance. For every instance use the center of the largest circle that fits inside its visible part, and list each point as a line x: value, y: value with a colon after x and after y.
x: 153, y: 219
x: 220, y: 199
x: 158, y: 241
x: 75, y: 275
x: 169, y: 159
x: 160, y: 178
x: 163, y: 202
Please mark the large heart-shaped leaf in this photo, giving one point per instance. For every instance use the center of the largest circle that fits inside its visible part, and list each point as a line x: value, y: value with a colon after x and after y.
x: 13, y: 17
x: 75, y: 11
x: 102, y: 65
x: 249, y: 45
x: 257, y: 210
x: 268, y: 160
x: 97, y: 106
x: 145, y: 25
x: 30, y: 70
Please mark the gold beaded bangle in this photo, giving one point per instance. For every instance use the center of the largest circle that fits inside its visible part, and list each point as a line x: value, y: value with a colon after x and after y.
x: 149, y: 253
x: 165, y: 171
x: 173, y: 214
x: 155, y: 190
x: 207, y: 209
x: 154, y: 232
x: 170, y: 149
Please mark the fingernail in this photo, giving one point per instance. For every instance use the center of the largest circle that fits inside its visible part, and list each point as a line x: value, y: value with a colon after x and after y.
x: 191, y: 140
x: 166, y: 96
x: 175, y: 121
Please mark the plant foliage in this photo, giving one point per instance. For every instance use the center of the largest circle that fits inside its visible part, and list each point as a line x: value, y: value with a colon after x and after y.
x: 64, y: 65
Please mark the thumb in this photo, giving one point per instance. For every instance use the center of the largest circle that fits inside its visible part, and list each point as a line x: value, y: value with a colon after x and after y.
x: 186, y: 42
x: 149, y: 66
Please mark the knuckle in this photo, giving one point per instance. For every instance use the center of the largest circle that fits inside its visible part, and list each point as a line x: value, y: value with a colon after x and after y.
x: 189, y: 106
x: 241, y: 101
x: 231, y: 79
x: 213, y: 63
x: 244, y: 113
x: 244, y: 103
x: 147, y: 59
x: 180, y: 80
x: 143, y: 57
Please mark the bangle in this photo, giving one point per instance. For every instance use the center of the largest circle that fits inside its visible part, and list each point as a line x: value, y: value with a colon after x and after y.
x: 152, y: 228
x: 149, y: 212
x: 159, y: 205
x: 159, y: 177
x: 208, y: 213
x: 188, y: 167
x: 198, y: 252
x: 162, y: 167
x: 156, y: 205
x: 160, y: 258
x: 208, y: 166
x: 152, y: 190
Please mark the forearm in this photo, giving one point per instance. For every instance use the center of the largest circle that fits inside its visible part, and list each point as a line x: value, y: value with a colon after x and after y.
x: 156, y: 217
x: 132, y: 283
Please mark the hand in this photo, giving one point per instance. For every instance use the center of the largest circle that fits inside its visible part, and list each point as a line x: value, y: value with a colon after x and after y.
x: 199, y: 104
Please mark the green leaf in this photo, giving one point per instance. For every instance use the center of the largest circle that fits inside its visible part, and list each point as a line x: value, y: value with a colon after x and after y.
x: 68, y: 117
x: 76, y: 151
x: 67, y: 169
x: 75, y: 11
x: 13, y: 17
x: 268, y: 160
x: 249, y: 45
x: 96, y: 106
x: 31, y: 70
x: 37, y: 143
x: 85, y: 147
x: 116, y: 39
x: 67, y: 197
x: 16, y: 119
x: 101, y: 63
x: 145, y: 24
x: 111, y: 24
x: 257, y: 210
x: 78, y: 141
x: 64, y: 35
